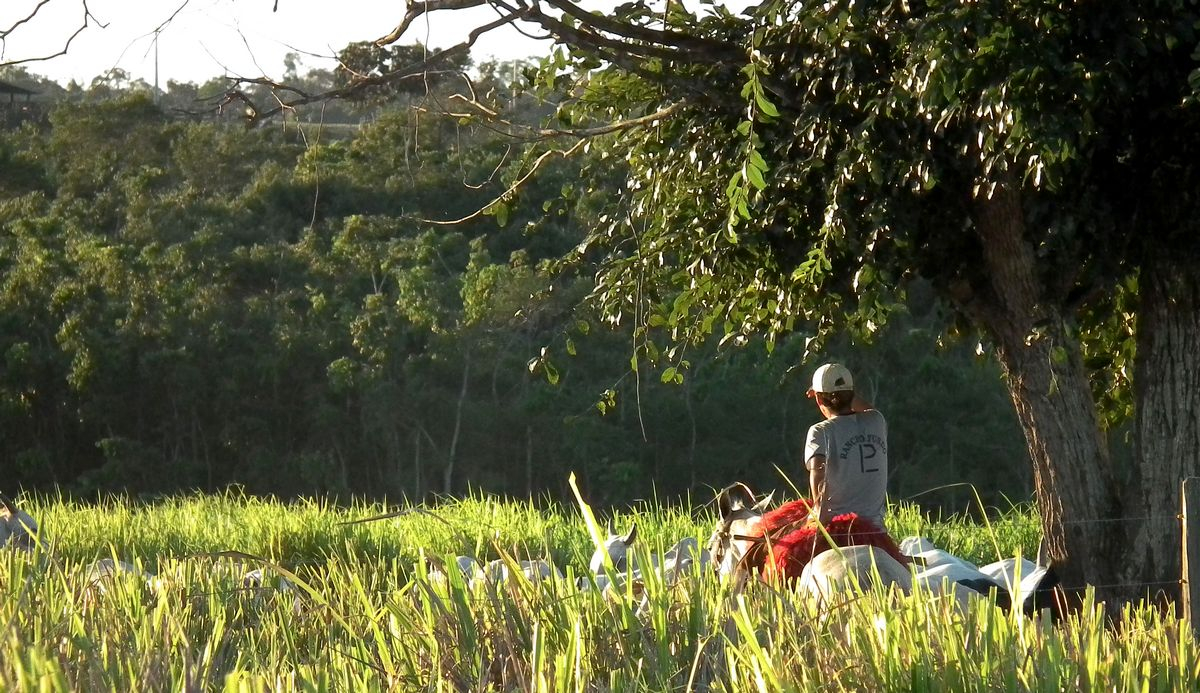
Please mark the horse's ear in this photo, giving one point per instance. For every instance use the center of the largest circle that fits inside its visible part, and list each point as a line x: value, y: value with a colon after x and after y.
x: 734, y: 497
x: 765, y: 503
x: 631, y: 537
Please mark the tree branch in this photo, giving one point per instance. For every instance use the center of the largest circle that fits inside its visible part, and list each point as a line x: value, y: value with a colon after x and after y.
x: 533, y: 133
x: 408, y: 72
x: 590, y: 37
x: 624, y: 29
x: 85, y: 22
x: 583, y: 135
x: 417, y: 8
x: 537, y: 164
x: 634, y: 45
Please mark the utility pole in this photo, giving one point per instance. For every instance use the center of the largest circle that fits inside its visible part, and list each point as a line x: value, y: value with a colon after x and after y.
x: 156, y: 67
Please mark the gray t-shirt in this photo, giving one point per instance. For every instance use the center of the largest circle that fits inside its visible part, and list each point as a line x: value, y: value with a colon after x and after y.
x: 856, y: 464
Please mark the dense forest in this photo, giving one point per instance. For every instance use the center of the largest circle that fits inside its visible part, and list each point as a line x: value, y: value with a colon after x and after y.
x: 189, y: 303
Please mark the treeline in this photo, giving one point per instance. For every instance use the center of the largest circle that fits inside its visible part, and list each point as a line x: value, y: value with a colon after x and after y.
x: 193, y: 304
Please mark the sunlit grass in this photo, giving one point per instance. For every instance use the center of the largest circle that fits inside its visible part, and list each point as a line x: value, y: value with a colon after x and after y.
x: 365, y: 616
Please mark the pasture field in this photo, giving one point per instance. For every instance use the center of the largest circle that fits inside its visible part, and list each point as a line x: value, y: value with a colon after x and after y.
x: 365, y: 616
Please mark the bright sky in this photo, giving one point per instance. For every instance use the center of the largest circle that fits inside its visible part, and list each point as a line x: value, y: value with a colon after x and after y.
x: 211, y: 38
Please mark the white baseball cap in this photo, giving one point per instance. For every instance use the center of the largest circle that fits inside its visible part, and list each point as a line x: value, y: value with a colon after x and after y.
x: 833, y: 377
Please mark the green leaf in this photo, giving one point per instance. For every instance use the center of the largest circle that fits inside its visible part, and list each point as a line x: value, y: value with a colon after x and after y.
x: 756, y: 179
x: 735, y: 183
x: 668, y: 375
x: 500, y: 211
x: 768, y: 109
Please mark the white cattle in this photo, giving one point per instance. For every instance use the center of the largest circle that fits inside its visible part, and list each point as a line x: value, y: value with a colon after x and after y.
x: 261, y: 584
x: 17, y: 527
x: 676, y: 562
x: 103, y: 574
x: 617, y: 546
x: 1018, y: 581
x: 924, y: 552
x: 257, y: 579
x: 679, y: 559
x: 1022, y: 578
x: 467, y: 566
x: 497, y: 572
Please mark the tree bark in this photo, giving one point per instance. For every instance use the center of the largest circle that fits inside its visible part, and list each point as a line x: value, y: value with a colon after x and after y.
x: 1073, y: 478
x: 1167, y: 391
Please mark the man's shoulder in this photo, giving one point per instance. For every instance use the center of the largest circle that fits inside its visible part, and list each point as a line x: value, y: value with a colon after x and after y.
x: 872, y: 414
x: 821, y: 426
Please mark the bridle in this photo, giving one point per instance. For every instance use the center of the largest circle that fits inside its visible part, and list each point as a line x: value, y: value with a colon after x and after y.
x: 722, y: 538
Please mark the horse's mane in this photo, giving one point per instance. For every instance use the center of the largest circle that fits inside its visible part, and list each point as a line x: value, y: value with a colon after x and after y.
x: 791, y: 539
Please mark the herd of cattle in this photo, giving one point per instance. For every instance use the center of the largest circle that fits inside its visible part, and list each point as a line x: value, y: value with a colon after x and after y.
x: 743, y: 545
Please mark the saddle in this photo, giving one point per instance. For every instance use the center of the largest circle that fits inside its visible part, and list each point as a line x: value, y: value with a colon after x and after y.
x: 790, y: 538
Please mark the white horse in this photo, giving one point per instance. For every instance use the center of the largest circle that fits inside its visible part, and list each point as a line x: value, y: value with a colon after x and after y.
x: 740, y: 514
x: 852, y: 567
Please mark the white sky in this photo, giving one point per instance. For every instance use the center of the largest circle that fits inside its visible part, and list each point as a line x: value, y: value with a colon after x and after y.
x: 211, y: 38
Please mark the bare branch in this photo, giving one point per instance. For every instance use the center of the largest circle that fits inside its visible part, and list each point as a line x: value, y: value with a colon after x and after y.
x: 85, y: 22
x: 583, y: 134
x: 414, y: 71
x: 537, y: 164
x: 416, y: 8
x: 519, y: 131
x: 25, y: 20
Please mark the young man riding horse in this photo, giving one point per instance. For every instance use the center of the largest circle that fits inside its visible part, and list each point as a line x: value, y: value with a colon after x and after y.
x: 846, y: 454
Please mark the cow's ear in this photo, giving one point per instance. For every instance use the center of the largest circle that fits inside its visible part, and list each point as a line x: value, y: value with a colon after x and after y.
x: 10, y: 508
x: 631, y: 537
x: 765, y: 503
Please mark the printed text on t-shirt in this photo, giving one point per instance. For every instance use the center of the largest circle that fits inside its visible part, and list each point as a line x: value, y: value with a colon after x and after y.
x: 868, y: 445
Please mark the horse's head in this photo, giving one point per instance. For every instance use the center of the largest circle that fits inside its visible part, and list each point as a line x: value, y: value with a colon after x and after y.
x: 735, y: 533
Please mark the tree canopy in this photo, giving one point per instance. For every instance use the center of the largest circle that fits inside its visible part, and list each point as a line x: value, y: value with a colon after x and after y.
x: 804, y: 162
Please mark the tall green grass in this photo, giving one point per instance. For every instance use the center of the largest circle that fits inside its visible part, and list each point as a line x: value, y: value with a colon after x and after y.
x: 366, y: 616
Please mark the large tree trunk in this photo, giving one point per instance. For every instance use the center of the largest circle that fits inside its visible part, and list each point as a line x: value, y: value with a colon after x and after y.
x: 1167, y: 388
x: 1046, y: 378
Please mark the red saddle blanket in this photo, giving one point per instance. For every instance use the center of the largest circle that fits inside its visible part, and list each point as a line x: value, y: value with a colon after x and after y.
x: 792, y: 539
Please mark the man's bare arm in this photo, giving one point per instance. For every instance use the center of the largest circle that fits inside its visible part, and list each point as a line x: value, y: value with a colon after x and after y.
x: 816, y: 481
